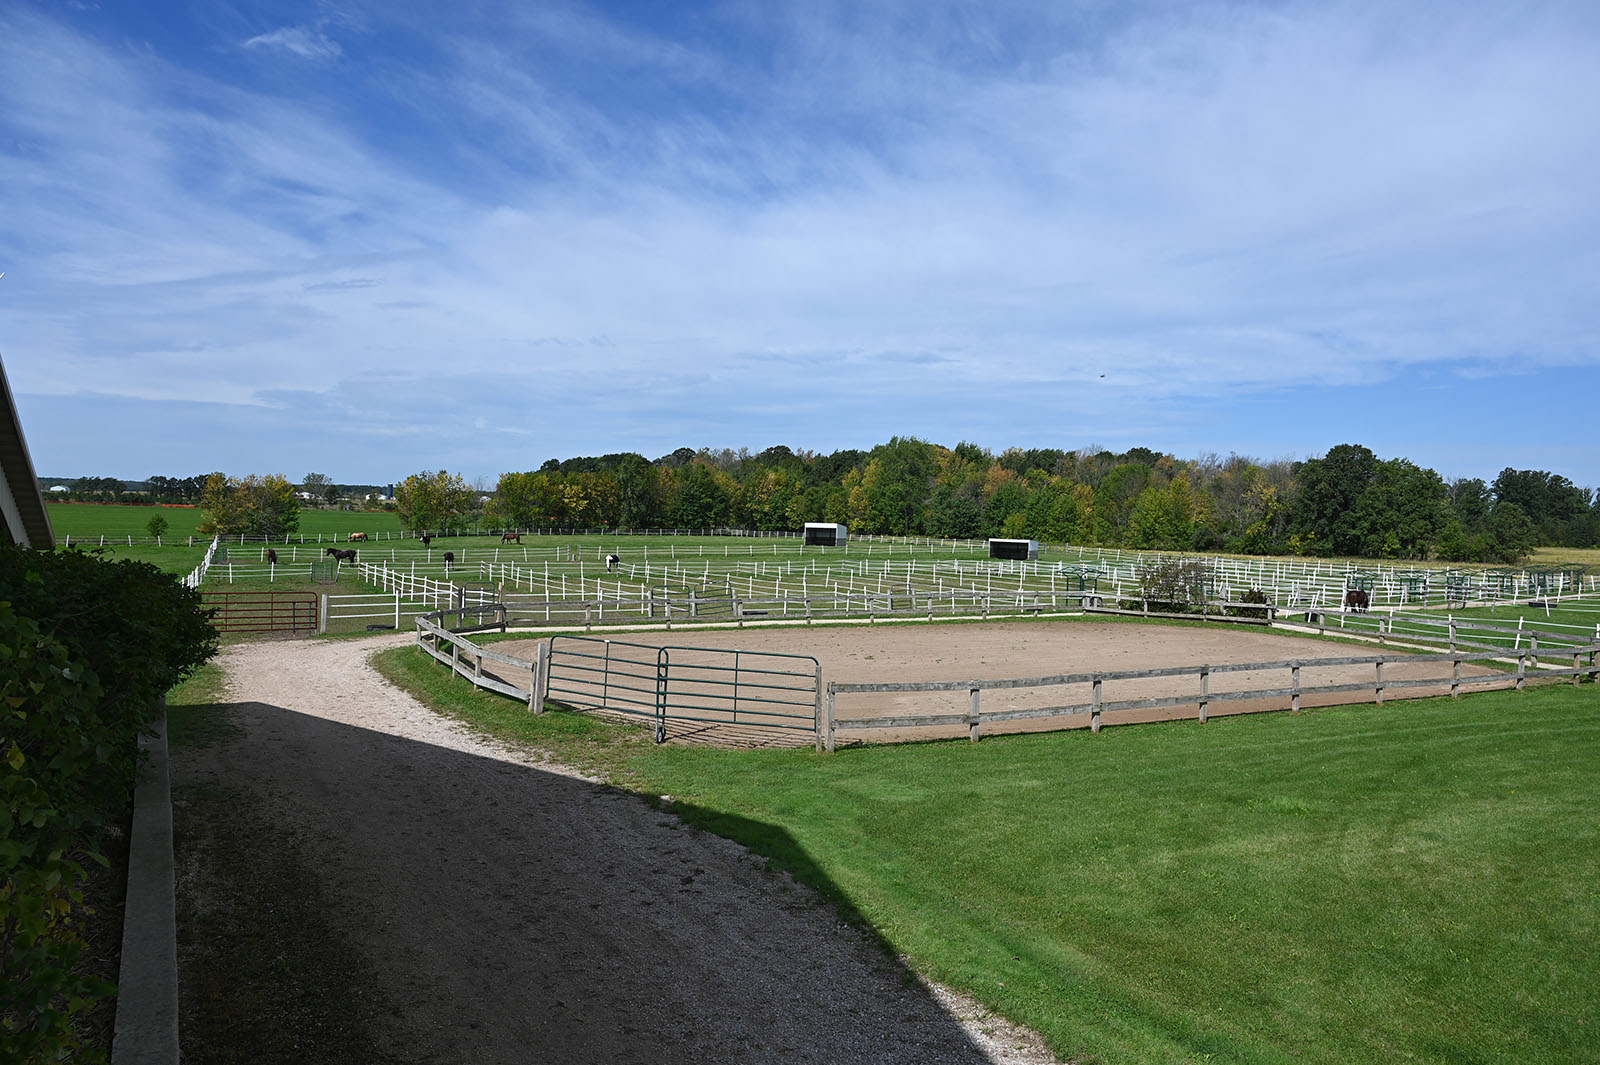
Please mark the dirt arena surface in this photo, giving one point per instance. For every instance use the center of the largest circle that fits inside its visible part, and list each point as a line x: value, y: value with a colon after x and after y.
x: 877, y: 654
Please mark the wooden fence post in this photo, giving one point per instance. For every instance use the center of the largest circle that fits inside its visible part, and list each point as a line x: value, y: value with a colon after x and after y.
x: 817, y: 710
x: 1205, y: 691
x: 1455, y: 678
x: 1380, y: 681
x: 828, y: 723
x: 1522, y: 668
x: 1294, y: 687
x: 972, y: 715
x: 1094, y: 715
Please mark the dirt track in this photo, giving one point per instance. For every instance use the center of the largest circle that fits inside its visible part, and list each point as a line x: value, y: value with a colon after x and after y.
x: 510, y: 911
x: 888, y: 653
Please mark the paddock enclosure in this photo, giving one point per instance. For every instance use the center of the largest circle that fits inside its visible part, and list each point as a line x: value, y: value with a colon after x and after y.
x: 966, y: 654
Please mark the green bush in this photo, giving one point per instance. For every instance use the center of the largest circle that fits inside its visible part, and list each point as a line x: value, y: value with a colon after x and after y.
x: 1254, y: 595
x: 87, y: 648
x: 1175, y: 585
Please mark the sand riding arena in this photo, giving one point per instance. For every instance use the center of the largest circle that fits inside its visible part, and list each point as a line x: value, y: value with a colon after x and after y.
x: 781, y: 686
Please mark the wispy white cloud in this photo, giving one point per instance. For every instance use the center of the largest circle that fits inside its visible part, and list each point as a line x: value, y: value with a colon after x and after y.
x: 307, y: 42
x: 842, y: 219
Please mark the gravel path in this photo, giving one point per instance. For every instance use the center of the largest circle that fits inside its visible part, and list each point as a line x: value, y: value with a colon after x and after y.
x: 512, y: 911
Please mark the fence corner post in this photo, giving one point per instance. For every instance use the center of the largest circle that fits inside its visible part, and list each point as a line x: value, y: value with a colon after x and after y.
x: 538, y: 683
x: 828, y: 723
x: 817, y: 709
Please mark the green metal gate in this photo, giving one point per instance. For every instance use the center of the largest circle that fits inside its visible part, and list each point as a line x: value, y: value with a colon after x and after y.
x: 715, y: 692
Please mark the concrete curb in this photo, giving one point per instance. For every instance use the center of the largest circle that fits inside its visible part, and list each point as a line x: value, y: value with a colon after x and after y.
x: 147, y: 996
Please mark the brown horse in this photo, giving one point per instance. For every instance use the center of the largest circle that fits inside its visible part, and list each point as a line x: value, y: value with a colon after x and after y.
x: 1357, y: 600
x: 358, y: 536
x: 508, y: 537
x: 426, y: 539
x: 272, y: 557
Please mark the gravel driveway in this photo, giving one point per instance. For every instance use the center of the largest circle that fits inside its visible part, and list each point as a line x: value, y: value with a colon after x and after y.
x: 508, y: 910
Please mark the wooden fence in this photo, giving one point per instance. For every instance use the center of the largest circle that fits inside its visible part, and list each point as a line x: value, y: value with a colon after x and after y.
x: 466, y: 658
x: 1201, y: 696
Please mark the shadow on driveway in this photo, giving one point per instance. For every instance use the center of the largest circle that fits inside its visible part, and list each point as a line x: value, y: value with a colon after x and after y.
x: 350, y: 895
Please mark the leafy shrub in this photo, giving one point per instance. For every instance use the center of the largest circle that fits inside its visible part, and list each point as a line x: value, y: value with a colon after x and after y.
x: 1175, y: 585
x: 1254, y: 595
x: 87, y: 648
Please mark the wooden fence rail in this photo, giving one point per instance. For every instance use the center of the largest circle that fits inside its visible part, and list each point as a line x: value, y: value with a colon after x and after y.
x: 1203, y: 697
x: 466, y: 658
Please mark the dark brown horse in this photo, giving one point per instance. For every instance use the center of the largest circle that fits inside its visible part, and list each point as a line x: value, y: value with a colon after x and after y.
x: 449, y: 557
x: 272, y: 557
x: 508, y: 537
x: 426, y: 539
x: 1357, y: 600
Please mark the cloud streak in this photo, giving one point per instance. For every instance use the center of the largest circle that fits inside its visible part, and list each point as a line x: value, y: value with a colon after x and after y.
x: 829, y: 223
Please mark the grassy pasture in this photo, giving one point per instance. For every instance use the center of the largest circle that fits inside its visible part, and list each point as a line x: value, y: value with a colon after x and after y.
x: 84, y: 520
x: 1567, y: 556
x: 1412, y: 882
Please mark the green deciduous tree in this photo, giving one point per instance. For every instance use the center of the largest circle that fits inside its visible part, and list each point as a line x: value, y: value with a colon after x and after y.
x: 439, y: 500
x: 254, y: 506
x: 1325, y: 517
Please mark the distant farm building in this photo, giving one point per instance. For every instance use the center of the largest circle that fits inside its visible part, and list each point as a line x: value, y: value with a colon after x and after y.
x: 1013, y: 549
x: 825, y: 534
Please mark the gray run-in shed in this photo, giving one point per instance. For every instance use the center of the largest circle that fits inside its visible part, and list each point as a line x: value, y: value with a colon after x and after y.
x: 825, y: 534
x: 1014, y: 549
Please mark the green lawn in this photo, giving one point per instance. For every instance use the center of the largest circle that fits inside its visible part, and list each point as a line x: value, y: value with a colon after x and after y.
x: 94, y: 520
x: 1419, y: 882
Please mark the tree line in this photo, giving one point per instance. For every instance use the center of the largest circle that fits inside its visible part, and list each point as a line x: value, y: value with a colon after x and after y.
x: 1349, y: 502
x: 191, y: 489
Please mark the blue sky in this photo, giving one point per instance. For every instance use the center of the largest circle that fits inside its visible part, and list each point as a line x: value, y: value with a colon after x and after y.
x: 368, y: 239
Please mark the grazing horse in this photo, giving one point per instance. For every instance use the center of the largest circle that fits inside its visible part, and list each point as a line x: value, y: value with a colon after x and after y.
x: 343, y: 556
x: 1357, y: 600
x: 508, y: 537
x: 358, y: 536
x: 449, y: 557
x: 612, y: 562
x: 426, y: 539
x: 272, y: 557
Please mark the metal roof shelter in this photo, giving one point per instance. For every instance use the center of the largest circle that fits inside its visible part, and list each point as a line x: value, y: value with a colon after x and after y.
x: 1020, y: 550
x: 825, y: 533
x: 26, y: 521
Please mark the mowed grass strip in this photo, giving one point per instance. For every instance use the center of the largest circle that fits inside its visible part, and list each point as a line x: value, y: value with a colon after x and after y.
x: 1414, y: 882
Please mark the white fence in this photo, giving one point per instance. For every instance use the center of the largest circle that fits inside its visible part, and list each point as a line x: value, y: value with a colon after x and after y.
x: 197, y: 575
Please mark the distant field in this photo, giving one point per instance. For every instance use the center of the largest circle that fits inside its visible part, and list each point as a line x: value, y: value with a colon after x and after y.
x: 94, y: 520
x: 1553, y: 556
